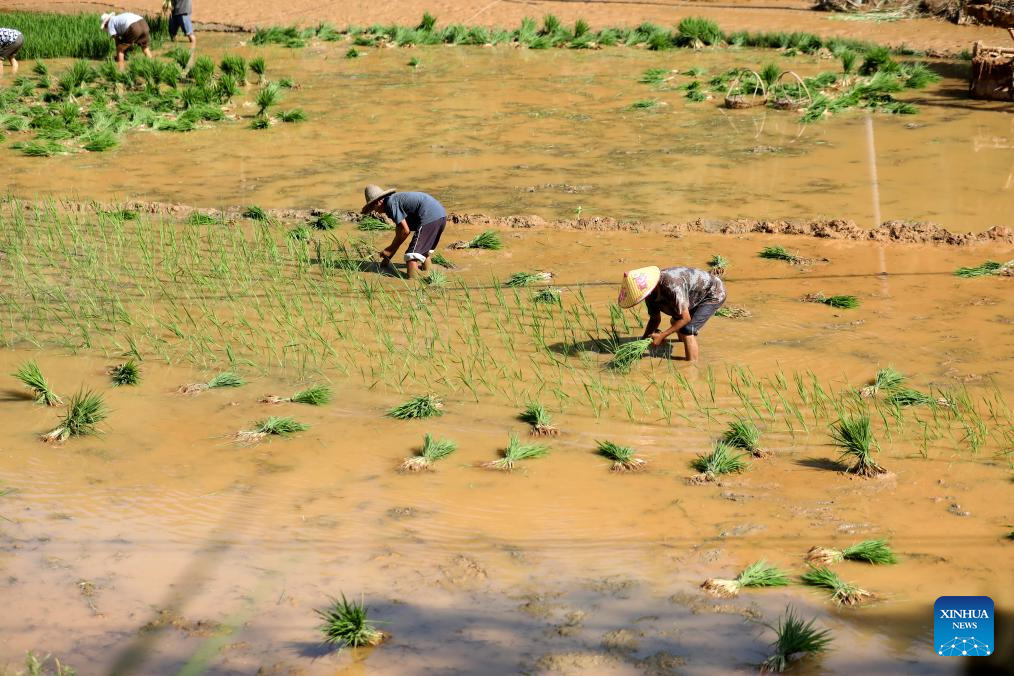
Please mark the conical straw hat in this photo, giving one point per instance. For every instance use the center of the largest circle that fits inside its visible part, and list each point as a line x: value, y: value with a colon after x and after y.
x: 637, y: 284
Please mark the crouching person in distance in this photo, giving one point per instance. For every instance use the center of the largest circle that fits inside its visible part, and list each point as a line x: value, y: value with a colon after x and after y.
x: 414, y: 213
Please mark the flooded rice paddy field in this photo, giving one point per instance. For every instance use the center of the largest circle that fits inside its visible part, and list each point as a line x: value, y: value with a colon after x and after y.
x: 551, y: 132
x: 161, y: 546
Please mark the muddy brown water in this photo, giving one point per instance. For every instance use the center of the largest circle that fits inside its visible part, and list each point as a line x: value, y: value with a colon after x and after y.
x: 550, y: 132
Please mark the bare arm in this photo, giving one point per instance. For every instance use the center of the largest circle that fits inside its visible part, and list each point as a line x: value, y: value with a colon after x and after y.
x: 654, y: 320
x: 676, y: 325
x: 401, y: 233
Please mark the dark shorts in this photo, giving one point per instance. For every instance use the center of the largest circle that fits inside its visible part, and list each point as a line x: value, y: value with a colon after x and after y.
x: 178, y: 22
x: 137, y: 33
x: 424, y: 240
x: 699, y: 316
x: 11, y: 50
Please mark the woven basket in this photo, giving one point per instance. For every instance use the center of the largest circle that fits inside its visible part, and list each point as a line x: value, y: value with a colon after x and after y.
x: 745, y: 100
x: 785, y: 102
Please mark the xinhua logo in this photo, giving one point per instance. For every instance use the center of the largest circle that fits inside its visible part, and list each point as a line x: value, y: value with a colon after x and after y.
x: 963, y: 626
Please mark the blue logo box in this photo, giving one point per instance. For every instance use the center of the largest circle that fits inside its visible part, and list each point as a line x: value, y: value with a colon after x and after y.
x: 963, y: 626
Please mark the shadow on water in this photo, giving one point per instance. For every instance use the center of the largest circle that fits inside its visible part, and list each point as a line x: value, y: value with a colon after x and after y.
x: 826, y: 464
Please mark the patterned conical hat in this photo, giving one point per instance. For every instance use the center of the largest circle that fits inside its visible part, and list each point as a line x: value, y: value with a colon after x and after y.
x: 637, y: 284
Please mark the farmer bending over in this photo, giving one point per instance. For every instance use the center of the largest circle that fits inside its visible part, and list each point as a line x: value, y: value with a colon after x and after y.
x: 414, y: 213
x: 11, y: 42
x: 688, y: 295
x: 127, y: 30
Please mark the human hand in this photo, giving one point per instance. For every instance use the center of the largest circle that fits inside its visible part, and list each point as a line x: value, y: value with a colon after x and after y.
x: 386, y: 255
x: 656, y: 339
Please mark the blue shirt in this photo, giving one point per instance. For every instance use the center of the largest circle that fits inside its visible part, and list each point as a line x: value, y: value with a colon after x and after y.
x: 417, y: 208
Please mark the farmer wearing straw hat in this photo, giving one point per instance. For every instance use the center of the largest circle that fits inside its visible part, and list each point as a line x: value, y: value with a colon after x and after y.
x: 414, y: 213
x: 688, y: 295
x: 127, y: 30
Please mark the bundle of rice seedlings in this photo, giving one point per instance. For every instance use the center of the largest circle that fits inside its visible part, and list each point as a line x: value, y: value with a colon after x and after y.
x: 906, y: 396
x: 269, y: 95
x: 744, y: 434
x: 197, y: 218
x: 432, y: 450
x: 887, y: 380
x: 300, y: 233
x: 315, y: 395
x: 723, y: 459
x: 779, y: 253
x: 373, y: 224
x: 854, y: 435
x: 345, y: 624
x: 645, y: 104
x: 270, y: 426
x: 438, y: 258
x: 255, y: 213
x: 126, y: 374
x: 844, y: 302
x: 30, y: 374
x: 759, y: 574
x: 718, y: 265
x: 843, y: 593
x: 294, y: 115
x: 655, y: 76
x: 876, y: 552
x: 796, y: 640
x: 696, y: 32
x: 225, y: 379
x: 981, y: 270
x: 515, y: 452
x: 536, y: 415
x: 624, y: 458
x: 733, y: 312
x: 848, y: 60
x: 526, y: 278
x: 352, y: 53
x: 436, y: 278
x: 627, y: 354
x: 327, y: 221
x: 84, y: 412
x: 422, y: 406
x: 488, y: 239
x: 548, y: 296
x: 101, y: 141
x: 414, y: 62
x: 258, y: 66
x: 234, y: 66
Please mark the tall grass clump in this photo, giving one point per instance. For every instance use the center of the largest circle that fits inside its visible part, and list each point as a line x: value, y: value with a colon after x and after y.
x: 888, y: 379
x: 31, y: 376
x: 723, y: 459
x: 423, y: 406
x: 627, y: 354
x: 315, y: 395
x: 758, y: 574
x: 625, y: 459
x: 433, y: 449
x: 745, y: 435
x: 345, y: 624
x: 536, y: 415
x: 281, y: 426
x: 877, y: 552
x: 84, y: 412
x: 515, y: 452
x: 854, y: 436
x: 128, y: 373
x: 225, y: 379
x: 843, y: 593
x: 796, y: 640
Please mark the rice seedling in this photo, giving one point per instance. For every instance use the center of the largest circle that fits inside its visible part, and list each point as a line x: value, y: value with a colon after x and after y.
x: 99, y: 142
x: 733, y: 312
x: 225, y: 379
x: 878, y: 59
x: 234, y: 66
x: 645, y: 104
x: 515, y: 452
x: 796, y: 640
x: 779, y: 253
x: 84, y: 412
x: 723, y: 459
x: 258, y: 66
x: 287, y: 36
x: 981, y: 270
x: 887, y: 379
x: 519, y: 279
x: 436, y: 278
x: 180, y: 56
x: 197, y: 218
x: 300, y: 233
x: 696, y: 32
x: 260, y: 122
x: 487, y: 239
x: 758, y: 574
x: 876, y: 552
x: 255, y: 213
x: 718, y: 264
x: 286, y: 83
x: 352, y: 53
x: 432, y: 450
x: 438, y: 258
x: 655, y: 76
x: 294, y: 115
x: 841, y: 302
x: 414, y: 62
x: 625, y: 459
x: 625, y: 355
x: 315, y: 395
x: 271, y: 426
x: 547, y: 296
x: 373, y: 224
x: 918, y: 75
x: 906, y: 396
x: 843, y: 593
x: 346, y: 625
x: 269, y: 95
x: 745, y: 435
x: 422, y: 406
x: 40, y: 148
x: 30, y: 374
x: 128, y: 373
x: 536, y: 415
x: 326, y: 221
x: 854, y: 435
x: 226, y: 88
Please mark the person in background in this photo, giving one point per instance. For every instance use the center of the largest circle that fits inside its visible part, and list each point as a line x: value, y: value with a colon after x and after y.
x: 11, y: 42
x: 127, y: 30
x: 179, y: 19
x: 414, y: 213
x: 689, y: 296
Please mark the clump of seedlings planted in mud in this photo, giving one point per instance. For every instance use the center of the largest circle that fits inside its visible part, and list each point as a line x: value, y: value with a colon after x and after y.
x: 854, y: 436
x: 627, y: 354
x: 84, y: 413
x: 733, y: 312
x: 625, y: 459
x: 525, y: 278
x: 436, y: 278
x: 487, y: 239
x: 877, y: 552
x: 536, y: 415
x: 723, y: 459
x: 515, y: 452
x: 438, y: 258
x: 352, y: 53
x: 843, y: 593
x: 745, y: 435
x: 128, y: 373
x: 422, y: 406
x: 796, y: 640
x: 718, y: 265
x: 547, y: 296
x: 294, y: 115
x: 887, y: 380
x: 373, y: 224
x: 281, y: 426
x: 433, y: 449
x: 30, y: 374
x: 315, y: 395
x: 779, y: 253
x: 225, y: 379
x: 842, y: 302
x: 345, y: 624
x: 759, y: 574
